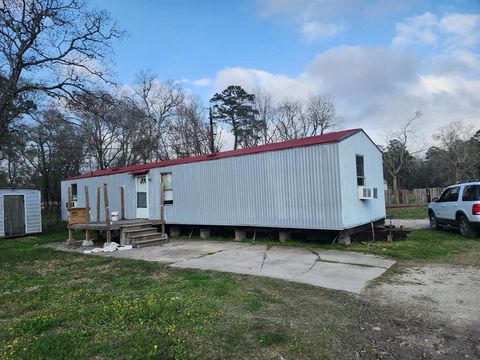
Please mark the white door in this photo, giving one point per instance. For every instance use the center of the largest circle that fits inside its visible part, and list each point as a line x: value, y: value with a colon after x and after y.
x: 452, y: 204
x: 141, y: 185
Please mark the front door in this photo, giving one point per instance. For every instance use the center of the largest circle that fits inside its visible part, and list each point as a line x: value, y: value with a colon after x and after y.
x: 141, y: 185
x: 14, y: 215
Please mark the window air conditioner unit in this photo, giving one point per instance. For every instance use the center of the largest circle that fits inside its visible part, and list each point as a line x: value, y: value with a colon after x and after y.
x: 365, y: 193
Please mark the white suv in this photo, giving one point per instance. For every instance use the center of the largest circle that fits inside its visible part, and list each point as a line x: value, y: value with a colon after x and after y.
x: 458, y: 206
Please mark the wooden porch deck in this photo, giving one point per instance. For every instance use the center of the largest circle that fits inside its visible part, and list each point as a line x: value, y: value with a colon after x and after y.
x: 140, y: 230
x: 115, y: 225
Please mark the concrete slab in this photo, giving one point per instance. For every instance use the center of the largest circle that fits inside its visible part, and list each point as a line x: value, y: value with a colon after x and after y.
x: 412, y: 224
x: 341, y: 270
x: 348, y: 257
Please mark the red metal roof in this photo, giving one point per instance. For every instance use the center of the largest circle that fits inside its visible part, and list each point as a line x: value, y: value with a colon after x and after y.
x: 308, y: 141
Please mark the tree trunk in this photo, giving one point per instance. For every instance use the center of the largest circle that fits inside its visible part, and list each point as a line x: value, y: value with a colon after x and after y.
x: 396, y: 192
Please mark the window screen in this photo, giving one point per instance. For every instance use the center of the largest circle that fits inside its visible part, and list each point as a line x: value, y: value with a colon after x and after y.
x: 167, y: 188
x: 360, y: 171
x: 141, y: 199
x: 471, y: 193
x: 74, y: 192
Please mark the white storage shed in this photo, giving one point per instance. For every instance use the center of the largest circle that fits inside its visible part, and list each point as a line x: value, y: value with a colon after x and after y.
x: 20, y: 212
x: 326, y: 182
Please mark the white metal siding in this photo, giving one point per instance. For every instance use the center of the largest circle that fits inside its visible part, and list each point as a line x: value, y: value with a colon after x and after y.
x: 113, y: 185
x: 358, y: 212
x: 33, y: 211
x: 294, y: 188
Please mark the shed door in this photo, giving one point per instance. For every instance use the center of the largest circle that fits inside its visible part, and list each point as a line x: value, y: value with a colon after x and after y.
x: 14, y: 215
x: 141, y: 182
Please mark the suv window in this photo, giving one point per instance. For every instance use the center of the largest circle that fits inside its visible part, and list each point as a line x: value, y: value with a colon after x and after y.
x: 471, y: 193
x: 444, y: 195
x: 453, y: 196
x: 450, y: 194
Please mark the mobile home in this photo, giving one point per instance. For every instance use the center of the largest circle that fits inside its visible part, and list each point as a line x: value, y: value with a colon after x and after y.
x: 326, y: 182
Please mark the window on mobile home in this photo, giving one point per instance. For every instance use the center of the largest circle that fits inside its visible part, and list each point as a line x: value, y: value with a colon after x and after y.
x: 360, y: 171
x: 74, y: 192
x: 167, y: 188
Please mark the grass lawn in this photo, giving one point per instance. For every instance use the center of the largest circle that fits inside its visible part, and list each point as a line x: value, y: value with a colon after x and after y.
x: 425, y: 246
x: 56, y: 305
x: 419, y: 212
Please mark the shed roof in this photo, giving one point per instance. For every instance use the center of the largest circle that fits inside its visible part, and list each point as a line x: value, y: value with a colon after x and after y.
x: 308, y: 141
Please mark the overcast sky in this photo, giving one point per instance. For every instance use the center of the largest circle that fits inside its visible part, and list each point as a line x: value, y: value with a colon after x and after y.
x: 380, y: 60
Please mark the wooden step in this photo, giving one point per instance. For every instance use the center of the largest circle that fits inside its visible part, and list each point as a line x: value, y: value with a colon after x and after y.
x: 150, y: 241
x: 137, y: 225
x: 145, y: 230
x: 144, y: 236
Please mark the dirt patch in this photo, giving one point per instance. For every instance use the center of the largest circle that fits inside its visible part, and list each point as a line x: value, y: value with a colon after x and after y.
x: 432, y: 308
x: 451, y: 292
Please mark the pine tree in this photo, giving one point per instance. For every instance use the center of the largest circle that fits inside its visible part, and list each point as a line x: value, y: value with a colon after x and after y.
x: 235, y: 107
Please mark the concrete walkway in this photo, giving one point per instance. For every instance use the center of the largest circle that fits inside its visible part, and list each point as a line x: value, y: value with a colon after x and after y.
x: 411, y: 224
x: 332, y: 269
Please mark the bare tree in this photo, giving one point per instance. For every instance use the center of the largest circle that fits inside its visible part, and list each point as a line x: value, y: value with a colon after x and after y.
x: 189, y: 132
x: 266, y: 115
x: 320, y: 115
x: 51, y: 47
x: 396, y: 155
x: 289, y: 121
x: 293, y: 119
x: 51, y: 155
x: 461, y: 158
x: 97, y: 115
x: 159, y: 102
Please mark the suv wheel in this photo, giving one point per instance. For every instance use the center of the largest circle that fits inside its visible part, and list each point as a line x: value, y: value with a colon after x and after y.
x: 433, y: 221
x: 465, y: 228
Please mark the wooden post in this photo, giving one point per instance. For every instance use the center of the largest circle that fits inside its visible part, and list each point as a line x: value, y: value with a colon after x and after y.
x: 105, y: 195
x: 107, y: 221
x: 98, y: 204
x: 107, y: 212
x: 70, y: 198
x: 122, y: 202
x: 373, y: 231
x: 69, y: 206
x: 87, y: 208
x: 162, y: 206
x: 87, y: 204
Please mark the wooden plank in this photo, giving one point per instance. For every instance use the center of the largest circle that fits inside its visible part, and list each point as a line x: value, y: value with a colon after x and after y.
x: 87, y: 204
x: 122, y: 202
x: 77, y: 216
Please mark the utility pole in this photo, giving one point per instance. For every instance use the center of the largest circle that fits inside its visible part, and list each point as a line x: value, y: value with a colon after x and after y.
x: 212, y: 139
